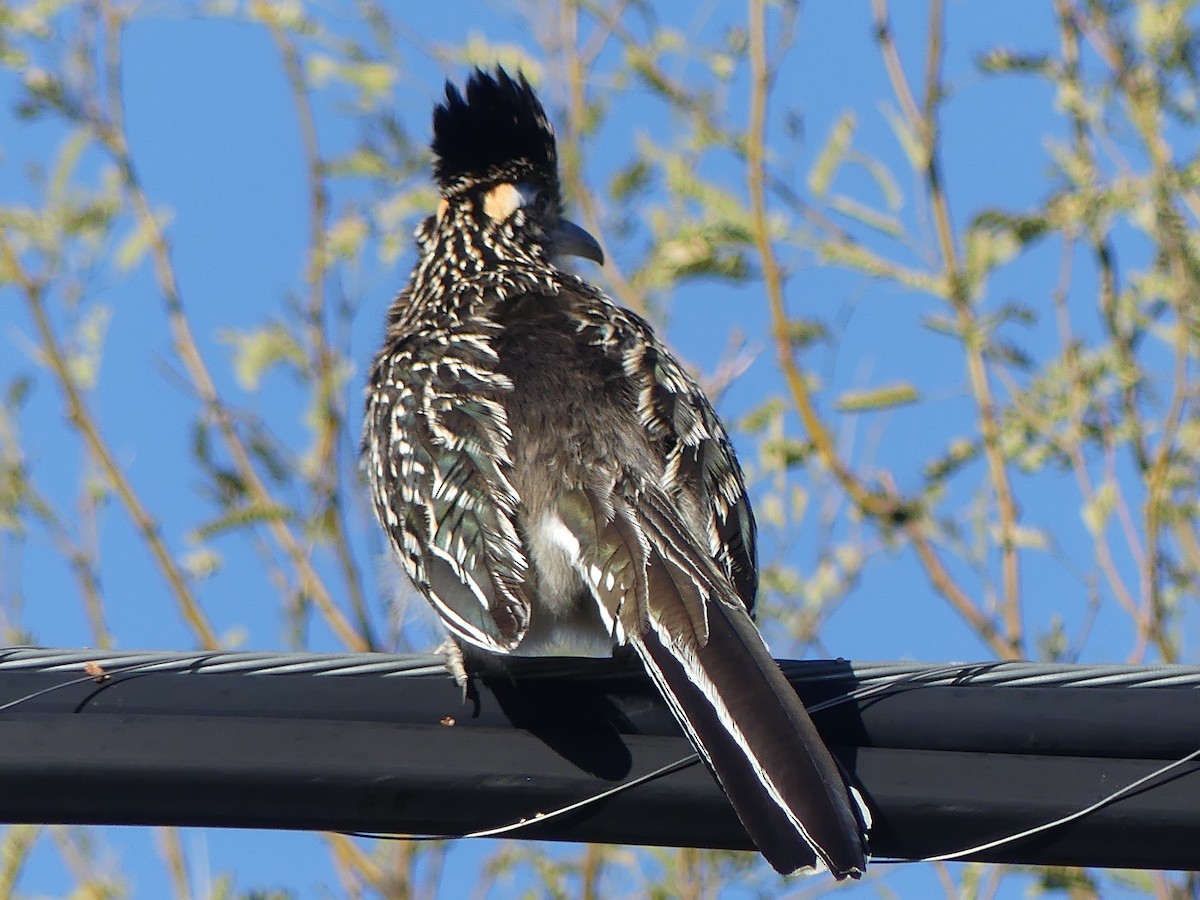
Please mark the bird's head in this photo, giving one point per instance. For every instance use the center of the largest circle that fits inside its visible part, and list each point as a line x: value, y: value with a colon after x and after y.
x: 497, y: 169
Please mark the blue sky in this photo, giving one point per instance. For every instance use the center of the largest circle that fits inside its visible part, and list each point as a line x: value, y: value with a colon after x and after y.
x: 214, y: 135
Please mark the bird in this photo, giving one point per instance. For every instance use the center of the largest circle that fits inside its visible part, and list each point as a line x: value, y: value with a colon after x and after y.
x: 554, y: 482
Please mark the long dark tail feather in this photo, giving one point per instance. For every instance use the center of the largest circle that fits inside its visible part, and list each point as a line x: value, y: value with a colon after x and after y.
x: 750, y: 727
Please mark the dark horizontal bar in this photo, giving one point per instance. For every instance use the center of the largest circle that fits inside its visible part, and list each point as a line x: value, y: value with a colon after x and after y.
x: 942, y: 767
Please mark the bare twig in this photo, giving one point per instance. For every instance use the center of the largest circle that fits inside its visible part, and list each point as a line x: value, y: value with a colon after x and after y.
x: 882, y: 504
x: 328, y: 486
x: 354, y: 867
x: 82, y: 420
x: 1144, y: 104
x: 924, y: 122
x: 16, y: 845
x: 577, y: 63
x: 171, y: 848
x: 110, y: 131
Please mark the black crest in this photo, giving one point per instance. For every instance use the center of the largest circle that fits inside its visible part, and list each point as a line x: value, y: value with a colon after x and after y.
x: 498, y: 132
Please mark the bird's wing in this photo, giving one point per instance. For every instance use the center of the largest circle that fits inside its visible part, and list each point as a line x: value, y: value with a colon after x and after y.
x: 440, y: 466
x: 701, y: 468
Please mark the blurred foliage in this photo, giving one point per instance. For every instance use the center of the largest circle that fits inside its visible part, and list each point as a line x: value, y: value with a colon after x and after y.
x: 1088, y: 383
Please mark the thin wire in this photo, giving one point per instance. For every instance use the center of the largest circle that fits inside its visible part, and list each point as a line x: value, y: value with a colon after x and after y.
x: 49, y: 690
x: 933, y: 676
x: 101, y: 676
x: 1071, y: 817
x: 660, y: 772
x: 858, y: 694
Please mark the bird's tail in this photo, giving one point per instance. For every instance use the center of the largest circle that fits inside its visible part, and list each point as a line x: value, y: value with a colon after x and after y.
x: 747, y: 722
x: 666, y: 597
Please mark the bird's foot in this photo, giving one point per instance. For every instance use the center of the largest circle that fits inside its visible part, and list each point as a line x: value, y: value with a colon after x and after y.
x: 456, y: 664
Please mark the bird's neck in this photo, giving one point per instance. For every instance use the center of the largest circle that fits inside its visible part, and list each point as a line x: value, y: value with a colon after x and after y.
x: 465, y: 263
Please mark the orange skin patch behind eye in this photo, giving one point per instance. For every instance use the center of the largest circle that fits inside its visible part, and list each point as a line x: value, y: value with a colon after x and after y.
x: 502, y: 201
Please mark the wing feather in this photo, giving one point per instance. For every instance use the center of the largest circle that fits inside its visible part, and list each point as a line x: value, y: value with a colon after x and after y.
x: 701, y: 471
x: 441, y: 480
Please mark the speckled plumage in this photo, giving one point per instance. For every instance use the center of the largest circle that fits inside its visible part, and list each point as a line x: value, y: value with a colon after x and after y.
x: 553, y: 481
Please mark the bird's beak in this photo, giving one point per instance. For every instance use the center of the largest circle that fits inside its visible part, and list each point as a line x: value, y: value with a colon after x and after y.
x: 571, y: 240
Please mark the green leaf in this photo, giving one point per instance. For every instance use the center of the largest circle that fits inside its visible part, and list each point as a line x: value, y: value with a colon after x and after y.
x: 770, y: 510
x: 240, y: 517
x: 910, y: 142
x: 322, y: 68
x: 959, y: 451
x: 832, y: 154
x: 255, y: 352
x: 375, y: 79
x: 135, y: 244
x: 860, y: 212
x: 202, y: 563
x: 785, y: 452
x: 758, y: 419
x: 478, y: 50
x: 345, y: 237
x: 288, y: 14
x: 884, y: 180
x: 1002, y: 59
x: 941, y: 324
x: 884, y: 397
x: 64, y: 167
x: 985, y: 251
x: 18, y: 391
x: 361, y: 161
x: 631, y: 180
x: 1096, y: 511
x: 855, y: 256
x: 806, y: 332
x: 84, y: 361
x: 1024, y: 537
x: 1024, y: 228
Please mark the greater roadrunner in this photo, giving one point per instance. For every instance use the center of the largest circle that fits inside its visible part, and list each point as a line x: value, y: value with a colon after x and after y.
x: 554, y: 482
